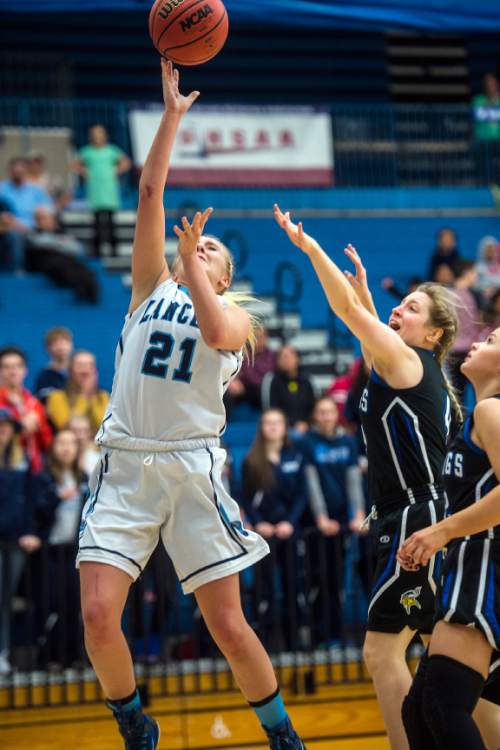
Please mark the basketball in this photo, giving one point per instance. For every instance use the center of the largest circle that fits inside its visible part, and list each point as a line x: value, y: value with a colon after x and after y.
x: 188, y: 32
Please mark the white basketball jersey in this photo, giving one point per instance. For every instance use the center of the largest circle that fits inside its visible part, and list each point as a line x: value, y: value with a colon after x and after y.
x: 168, y: 384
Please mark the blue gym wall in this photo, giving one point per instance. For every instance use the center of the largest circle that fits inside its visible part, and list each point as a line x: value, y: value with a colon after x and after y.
x: 396, y: 245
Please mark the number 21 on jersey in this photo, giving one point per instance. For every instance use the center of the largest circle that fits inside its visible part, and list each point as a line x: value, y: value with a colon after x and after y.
x: 160, y: 351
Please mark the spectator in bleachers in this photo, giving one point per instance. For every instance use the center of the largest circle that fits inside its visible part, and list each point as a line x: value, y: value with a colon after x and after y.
x: 340, y: 387
x: 18, y: 529
x: 59, y: 345
x: 69, y: 483
x: 81, y: 394
x: 335, y: 493
x: 66, y: 491
x: 37, y: 175
x: 444, y: 274
x: 287, y: 389
x: 445, y: 253
x: 272, y: 479
x: 488, y: 265
x: 248, y: 384
x: 88, y: 452
x: 469, y: 325
x: 101, y: 164
x: 332, y: 470
x: 274, y: 501
x: 60, y: 256
x: 18, y: 203
x: 486, y: 110
x: 36, y: 435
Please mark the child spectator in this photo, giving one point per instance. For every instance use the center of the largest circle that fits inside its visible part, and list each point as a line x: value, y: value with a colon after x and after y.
x: 288, y: 390
x: 88, y: 452
x: 36, y: 434
x: 81, y: 396
x: 18, y: 530
x: 59, y: 345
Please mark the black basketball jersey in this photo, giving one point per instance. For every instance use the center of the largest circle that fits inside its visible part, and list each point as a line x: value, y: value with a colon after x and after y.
x: 405, y: 431
x: 468, y: 475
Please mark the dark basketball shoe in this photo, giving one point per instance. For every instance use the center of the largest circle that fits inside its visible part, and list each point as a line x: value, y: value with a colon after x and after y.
x: 139, y: 731
x: 285, y: 738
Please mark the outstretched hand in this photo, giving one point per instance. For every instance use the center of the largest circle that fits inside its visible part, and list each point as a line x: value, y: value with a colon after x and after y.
x: 359, y: 281
x: 174, y: 100
x: 190, y: 234
x: 295, y: 232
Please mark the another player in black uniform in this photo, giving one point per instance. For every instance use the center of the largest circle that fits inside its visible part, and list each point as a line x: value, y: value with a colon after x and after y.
x: 438, y: 710
x: 406, y: 413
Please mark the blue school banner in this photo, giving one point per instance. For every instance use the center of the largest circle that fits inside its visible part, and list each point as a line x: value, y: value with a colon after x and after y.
x: 430, y: 15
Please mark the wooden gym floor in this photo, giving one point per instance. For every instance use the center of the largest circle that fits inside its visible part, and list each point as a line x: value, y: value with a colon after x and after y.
x: 340, y: 717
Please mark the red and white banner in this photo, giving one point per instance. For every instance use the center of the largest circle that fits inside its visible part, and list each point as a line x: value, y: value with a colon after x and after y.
x: 243, y: 145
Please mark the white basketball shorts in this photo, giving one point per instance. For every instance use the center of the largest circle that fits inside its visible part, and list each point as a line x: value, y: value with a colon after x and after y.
x: 136, y: 497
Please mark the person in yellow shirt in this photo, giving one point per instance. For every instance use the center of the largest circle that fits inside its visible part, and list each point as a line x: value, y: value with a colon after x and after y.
x: 81, y: 396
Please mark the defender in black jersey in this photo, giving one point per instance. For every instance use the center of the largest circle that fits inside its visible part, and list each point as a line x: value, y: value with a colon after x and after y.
x: 405, y: 413
x: 405, y: 431
x: 463, y: 654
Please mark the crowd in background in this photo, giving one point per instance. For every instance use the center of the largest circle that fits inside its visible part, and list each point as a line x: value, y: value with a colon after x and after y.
x: 305, y: 469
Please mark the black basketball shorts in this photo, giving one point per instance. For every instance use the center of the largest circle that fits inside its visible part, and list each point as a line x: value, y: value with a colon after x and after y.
x: 469, y: 592
x: 400, y: 598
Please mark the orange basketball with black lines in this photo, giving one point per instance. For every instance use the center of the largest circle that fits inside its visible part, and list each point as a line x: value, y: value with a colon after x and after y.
x: 188, y: 32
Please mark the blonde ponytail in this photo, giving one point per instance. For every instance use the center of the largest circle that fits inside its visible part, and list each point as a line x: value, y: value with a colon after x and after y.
x: 443, y: 314
x: 245, y: 300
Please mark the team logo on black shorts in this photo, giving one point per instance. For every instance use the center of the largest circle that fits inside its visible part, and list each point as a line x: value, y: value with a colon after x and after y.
x: 410, y: 599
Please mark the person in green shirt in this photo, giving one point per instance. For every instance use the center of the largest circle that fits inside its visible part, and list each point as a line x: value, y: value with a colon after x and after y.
x: 486, y: 109
x: 101, y: 163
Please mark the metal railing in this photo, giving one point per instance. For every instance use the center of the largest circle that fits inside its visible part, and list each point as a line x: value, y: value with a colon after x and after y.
x: 306, y: 601
x: 375, y: 145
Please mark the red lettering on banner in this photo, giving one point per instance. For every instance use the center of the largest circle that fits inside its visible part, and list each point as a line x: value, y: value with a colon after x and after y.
x: 286, y: 138
x: 214, y: 137
x: 238, y: 137
x: 262, y: 138
x: 187, y: 137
